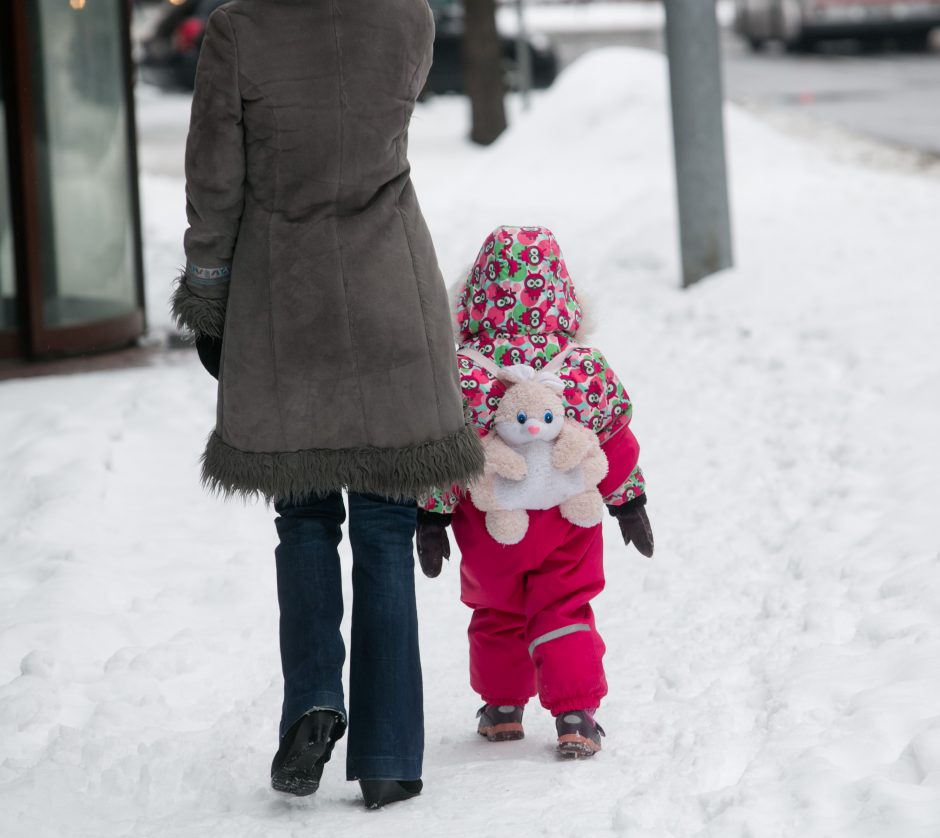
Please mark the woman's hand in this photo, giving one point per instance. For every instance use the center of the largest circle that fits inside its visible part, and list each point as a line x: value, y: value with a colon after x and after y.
x: 210, y: 354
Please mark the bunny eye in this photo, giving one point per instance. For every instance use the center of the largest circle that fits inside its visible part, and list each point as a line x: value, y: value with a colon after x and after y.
x: 548, y: 417
x: 521, y: 417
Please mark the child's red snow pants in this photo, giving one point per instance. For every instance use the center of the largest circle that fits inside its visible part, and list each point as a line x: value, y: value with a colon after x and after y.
x: 532, y: 628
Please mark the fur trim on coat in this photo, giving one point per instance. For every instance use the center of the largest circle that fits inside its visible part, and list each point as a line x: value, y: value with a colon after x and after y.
x: 203, y: 316
x: 397, y: 473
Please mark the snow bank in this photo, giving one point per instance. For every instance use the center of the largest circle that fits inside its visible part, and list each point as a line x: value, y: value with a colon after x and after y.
x: 773, y: 670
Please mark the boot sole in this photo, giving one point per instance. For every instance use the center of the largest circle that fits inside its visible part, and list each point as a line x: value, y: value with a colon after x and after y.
x: 300, y: 776
x: 506, y: 732
x: 573, y: 746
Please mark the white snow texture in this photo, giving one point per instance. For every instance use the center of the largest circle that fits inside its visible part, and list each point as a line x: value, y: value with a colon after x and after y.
x: 774, y: 670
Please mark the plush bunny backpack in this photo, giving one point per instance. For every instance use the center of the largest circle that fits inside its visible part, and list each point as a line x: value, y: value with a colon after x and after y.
x: 536, y: 458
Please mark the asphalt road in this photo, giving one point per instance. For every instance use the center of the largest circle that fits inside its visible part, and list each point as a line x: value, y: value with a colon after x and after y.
x: 889, y: 95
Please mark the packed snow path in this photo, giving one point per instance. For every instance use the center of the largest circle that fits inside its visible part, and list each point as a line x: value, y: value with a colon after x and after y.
x: 774, y: 670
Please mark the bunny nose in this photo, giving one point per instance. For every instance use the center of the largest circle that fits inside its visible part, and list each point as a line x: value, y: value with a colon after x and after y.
x: 534, y: 429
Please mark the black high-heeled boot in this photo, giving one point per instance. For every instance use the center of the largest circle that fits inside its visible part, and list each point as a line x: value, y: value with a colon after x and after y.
x: 306, y: 747
x: 377, y: 793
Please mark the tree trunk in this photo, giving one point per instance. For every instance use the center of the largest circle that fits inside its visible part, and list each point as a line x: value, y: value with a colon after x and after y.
x: 483, y: 71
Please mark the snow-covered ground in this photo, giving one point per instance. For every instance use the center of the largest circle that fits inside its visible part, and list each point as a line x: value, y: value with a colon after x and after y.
x: 774, y: 671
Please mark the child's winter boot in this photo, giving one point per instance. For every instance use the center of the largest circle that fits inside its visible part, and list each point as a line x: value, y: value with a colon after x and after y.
x: 500, y: 722
x: 579, y: 735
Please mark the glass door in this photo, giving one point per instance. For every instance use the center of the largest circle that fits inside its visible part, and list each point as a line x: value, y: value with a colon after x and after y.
x: 7, y: 264
x: 71, y: 278
x: 85, y: 168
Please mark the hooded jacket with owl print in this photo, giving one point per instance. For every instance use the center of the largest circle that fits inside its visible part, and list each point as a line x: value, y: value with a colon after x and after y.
x: 519, y: 306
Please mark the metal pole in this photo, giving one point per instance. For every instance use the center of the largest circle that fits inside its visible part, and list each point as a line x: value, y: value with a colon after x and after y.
x: 698, y: 135
x: 523, y: 56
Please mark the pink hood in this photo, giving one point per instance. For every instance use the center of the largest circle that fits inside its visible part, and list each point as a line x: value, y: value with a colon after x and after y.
x: 519, y: 285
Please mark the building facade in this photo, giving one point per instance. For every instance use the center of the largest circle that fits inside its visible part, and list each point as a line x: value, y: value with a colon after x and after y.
x: 71, y: 276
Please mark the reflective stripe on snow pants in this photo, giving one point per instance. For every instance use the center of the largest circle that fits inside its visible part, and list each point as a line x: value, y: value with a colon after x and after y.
x: 554, y: 635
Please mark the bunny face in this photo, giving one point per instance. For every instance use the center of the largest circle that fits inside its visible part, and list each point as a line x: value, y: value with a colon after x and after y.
x: 529, y: 411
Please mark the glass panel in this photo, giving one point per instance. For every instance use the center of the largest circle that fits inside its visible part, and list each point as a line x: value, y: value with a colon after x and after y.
x: 84, y: 171
x: 7, y: 278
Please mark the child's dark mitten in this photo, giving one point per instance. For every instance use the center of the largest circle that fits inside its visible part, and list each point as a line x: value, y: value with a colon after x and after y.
x: 431, y: 538
x: 210, y: 354
x: 635, y: 524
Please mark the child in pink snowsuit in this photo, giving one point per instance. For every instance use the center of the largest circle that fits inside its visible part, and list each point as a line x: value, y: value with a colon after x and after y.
x: 532, y: 630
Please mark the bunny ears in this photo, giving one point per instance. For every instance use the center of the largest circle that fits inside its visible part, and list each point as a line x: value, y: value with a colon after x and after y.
x: 523, y: 373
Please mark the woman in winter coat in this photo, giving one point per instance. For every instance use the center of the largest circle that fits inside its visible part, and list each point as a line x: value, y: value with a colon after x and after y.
x: 313, y: 290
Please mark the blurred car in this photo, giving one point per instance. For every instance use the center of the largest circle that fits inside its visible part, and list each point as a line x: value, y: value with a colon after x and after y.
x: 446, y: 74
x: 800, y: 23
x: 169, y: 55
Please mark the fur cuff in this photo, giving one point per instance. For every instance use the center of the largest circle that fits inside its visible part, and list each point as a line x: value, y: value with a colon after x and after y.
x: 204, y: 316
x: 396, y: 473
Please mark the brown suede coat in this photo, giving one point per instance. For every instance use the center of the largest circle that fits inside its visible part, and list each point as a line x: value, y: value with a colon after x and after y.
x: 308, y: 253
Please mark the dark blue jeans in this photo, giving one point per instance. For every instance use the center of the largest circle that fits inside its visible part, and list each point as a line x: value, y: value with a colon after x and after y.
x: 386, y: 706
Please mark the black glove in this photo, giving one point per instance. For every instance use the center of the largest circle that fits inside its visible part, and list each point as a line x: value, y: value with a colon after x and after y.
x: 210, y: 353
x: 431, y: 538
x: 635, y: 524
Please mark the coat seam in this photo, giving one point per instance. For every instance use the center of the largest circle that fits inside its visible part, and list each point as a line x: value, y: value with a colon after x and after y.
x: 273, y: 342
x: 424, y: 318
x: 341, y: 84
x: 220, y: 391
x: 406, y: 118
x: 231, y: 31
x: 277, y: 178
x: 414, y: 266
